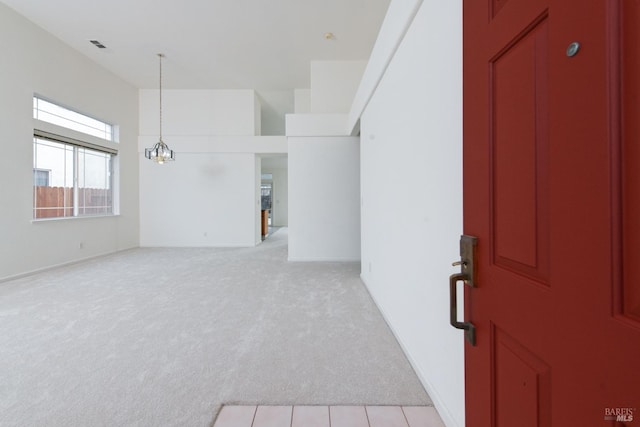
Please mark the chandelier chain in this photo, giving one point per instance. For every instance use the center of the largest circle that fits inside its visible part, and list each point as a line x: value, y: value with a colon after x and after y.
x: 160, y: 57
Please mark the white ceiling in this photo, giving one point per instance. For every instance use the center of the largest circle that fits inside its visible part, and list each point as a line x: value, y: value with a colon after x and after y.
x: 212, y: 44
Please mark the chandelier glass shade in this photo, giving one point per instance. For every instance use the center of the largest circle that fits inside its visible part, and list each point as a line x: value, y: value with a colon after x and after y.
x: 160, y: 153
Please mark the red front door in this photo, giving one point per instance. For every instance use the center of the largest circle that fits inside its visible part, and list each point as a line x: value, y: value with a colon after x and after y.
x: 552, y: 192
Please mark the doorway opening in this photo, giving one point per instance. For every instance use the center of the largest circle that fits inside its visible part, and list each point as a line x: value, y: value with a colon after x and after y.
x: 266, y: 200
x: 273, y: 193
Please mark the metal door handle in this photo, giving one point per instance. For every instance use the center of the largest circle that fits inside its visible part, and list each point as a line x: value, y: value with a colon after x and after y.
x: 467, y: 274
x: 469, y: 328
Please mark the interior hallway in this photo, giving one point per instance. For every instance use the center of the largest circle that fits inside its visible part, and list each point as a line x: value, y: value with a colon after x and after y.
x: 166, y: 336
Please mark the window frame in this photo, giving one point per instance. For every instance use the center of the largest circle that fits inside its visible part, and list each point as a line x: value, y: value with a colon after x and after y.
x: 77, y: 207
x: 76, y: 140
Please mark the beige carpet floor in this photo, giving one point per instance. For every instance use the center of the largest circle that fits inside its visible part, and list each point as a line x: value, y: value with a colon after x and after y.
x: 164, y: 337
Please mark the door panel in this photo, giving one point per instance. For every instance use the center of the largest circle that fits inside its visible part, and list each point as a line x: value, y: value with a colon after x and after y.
x: 552, y: 192
x: 522, y: 384
x: 519, y: 171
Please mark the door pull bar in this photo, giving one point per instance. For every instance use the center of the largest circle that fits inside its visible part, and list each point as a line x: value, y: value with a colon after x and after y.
x: 467, y: 275
x: 470, y: 330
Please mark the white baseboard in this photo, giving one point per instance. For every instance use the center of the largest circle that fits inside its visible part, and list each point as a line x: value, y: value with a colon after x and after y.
x: 63, y: 264
x: 441, y: 407
x: 321, y: 259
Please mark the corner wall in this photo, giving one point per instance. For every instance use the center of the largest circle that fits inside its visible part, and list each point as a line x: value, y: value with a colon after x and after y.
x: 411, y: 174
x: 275, y: 104
x: 324, y: 167
x: 36, y: 62
x: 324, y: 202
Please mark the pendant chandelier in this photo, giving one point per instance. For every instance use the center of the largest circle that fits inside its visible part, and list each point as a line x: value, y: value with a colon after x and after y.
x: 160, y: 152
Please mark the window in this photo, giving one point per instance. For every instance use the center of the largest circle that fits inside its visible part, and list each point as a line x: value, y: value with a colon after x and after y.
x: 41, y: 177
x: 71, y: 177
x: 78, y: 180
x: 52, y: 113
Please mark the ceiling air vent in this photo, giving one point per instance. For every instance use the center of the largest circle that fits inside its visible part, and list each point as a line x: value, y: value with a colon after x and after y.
x: 97, y: 44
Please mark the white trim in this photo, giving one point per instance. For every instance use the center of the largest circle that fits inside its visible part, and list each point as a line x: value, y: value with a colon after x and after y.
x: 72, y: 141
x: 63, y: 264
x: 219, y: 144
x: 321, y: 259
x: 73, y: 218
x: 73, y: 137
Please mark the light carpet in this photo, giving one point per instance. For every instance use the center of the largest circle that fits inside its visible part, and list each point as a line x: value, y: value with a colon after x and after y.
x: 164, y: 337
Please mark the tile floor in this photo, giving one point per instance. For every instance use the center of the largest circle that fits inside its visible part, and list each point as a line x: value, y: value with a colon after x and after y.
x: 328, y: 416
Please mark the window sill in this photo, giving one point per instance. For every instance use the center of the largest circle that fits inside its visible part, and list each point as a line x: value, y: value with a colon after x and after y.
x: 72, y: 218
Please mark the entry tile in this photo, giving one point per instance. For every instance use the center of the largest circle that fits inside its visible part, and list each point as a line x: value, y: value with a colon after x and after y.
x: 348, y: 416
x: 235, y: 416
x: 422, y: 416
x: 328, y: 416
x: 386, y: 416
x: 310, y: 416
x: 273, y: 416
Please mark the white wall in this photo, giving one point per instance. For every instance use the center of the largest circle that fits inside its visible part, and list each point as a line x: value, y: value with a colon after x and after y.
x: 324, y: 165
x: 317, y: 125
x: 199, y: 112
x: 280, y: 197
x: 275, y: 104
x: 210, y: 195
x: 302, y: 101
x: 324, y: 202
x: 35, y: 62
x: 412, y: 198
x: 201, y: 199
x: 257, y: 115
x: 334, y: 85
